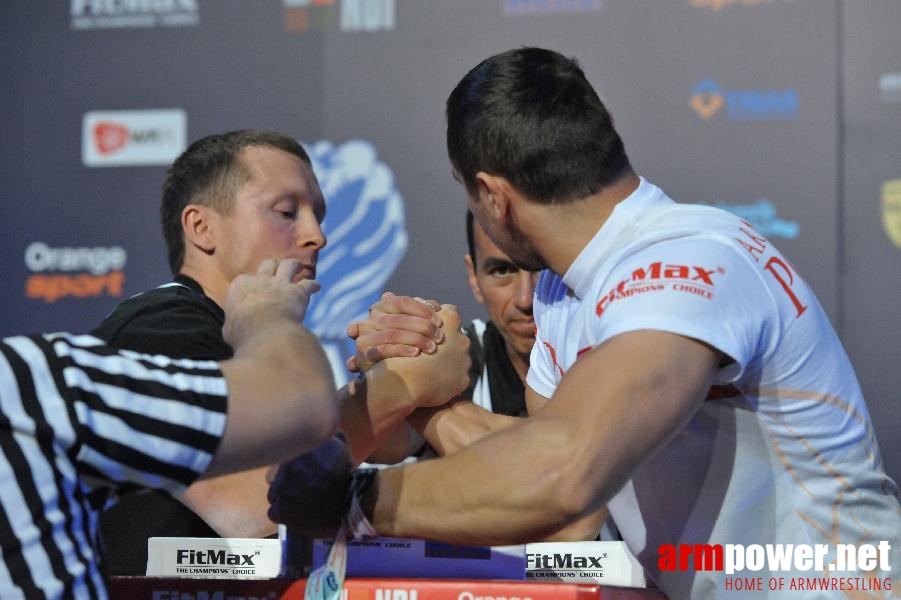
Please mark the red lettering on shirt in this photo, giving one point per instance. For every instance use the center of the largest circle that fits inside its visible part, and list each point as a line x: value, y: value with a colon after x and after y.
x: 778, y: 268
x: 754, y: 244
x: 658, y: 276
x: 783, y: 274
x: 553, y: 353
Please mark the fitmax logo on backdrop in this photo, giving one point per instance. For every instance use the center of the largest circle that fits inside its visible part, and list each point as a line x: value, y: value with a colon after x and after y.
x: 341, y: 15
x: 133, y: 137
x: 709, y: 100
x: 134, y: 14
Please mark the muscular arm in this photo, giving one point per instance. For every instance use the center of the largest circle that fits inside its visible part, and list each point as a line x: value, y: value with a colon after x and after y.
x: 370, y: 409
x: 280, y: 361
x: 618, y: 404
x: 457, y: 425
x: 460, y: 423
x: 235, y: 505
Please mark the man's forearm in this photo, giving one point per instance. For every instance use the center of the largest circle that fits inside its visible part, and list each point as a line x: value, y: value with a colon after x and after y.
x: 401, y: 444
x: 284, y: 364
x: 371, y: 408
x: 497, y: 491
x: 530, y: 480
x: 456, y: 425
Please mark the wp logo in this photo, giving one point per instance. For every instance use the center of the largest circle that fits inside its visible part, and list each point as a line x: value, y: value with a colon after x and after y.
x: 110, y: 137
x: 133, y: 137
x: 708, y: 100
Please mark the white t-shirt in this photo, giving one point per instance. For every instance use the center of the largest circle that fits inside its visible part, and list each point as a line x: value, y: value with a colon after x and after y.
x: 481, y: 393
x: 783, y: 451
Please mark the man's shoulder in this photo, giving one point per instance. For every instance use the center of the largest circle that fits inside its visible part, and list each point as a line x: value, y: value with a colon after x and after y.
x: 173, y: 320
x: 166, y: 305
x: 549, y: 291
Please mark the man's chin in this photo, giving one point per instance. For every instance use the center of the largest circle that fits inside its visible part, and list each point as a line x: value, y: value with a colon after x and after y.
x: 522, y: 330
x: 521, y: 342
x: 523, y: 346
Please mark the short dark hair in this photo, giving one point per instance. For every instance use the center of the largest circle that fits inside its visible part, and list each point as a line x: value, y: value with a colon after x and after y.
x: 530, y: 116
x: 209, y: 173
x: 470, y: 239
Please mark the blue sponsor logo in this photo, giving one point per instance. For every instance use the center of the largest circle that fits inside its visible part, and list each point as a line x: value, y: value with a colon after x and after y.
x: 708, y: 100
x: 762, y: 215
x: 367, y: 238
x: 890, y: 87
x: 545, y: 7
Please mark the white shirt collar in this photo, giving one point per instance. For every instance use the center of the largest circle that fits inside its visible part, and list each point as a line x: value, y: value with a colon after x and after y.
x: 609, y: 238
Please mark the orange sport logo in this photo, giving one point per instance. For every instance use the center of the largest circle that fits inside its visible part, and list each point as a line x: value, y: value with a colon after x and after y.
x: 73, y: 272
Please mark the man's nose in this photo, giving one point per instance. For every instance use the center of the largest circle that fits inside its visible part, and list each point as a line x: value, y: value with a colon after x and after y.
x: 525, y: 290
x: 310, y: 234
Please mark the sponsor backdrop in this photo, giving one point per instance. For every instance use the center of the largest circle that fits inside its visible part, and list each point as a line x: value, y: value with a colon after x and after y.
x: 787, y: 112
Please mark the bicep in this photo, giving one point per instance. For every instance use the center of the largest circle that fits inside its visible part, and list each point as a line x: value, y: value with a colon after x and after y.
x: 627, y: 397
x: 278, y: 406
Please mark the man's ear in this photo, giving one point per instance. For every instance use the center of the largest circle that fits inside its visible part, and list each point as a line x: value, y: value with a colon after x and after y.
x: 473, y: 281
x: 494, y: 191
x: 197, y: 224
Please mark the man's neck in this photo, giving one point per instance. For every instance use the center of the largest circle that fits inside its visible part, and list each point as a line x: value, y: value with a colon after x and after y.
x: 211, y: 285
x: 519, y: 361
x: 564, y: 230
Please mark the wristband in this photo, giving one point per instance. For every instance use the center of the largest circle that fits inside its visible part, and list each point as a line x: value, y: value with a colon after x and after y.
x: 326, y: 582
x: 358, y: 526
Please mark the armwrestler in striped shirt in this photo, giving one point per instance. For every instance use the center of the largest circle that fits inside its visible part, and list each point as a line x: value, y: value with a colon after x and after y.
x: 78, y: 418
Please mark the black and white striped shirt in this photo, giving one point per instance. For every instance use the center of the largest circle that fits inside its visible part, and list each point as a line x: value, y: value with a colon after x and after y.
x: 78, y: 418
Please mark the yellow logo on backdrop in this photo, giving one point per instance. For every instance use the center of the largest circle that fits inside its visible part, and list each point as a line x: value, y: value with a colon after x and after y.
x: 707, y: 99
x: 891, y: 210
x: 707, y: 104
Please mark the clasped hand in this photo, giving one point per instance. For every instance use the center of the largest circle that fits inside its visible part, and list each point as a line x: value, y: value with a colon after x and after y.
x: 402, y: 327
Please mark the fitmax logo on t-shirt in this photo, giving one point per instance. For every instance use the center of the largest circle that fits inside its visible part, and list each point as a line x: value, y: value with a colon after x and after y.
x: 657, y: 276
